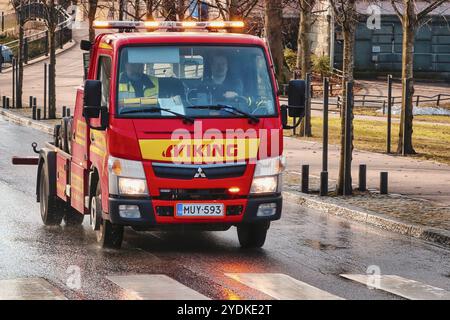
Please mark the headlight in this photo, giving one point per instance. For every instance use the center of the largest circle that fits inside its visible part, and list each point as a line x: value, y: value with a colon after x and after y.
x: 267, y: 178
x: 129, y: 186
x: 126, y: 177
x: 265, y: 185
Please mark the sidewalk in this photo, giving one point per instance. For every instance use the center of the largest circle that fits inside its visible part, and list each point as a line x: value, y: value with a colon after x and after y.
x: 407, y: 176
x: 69, y: 75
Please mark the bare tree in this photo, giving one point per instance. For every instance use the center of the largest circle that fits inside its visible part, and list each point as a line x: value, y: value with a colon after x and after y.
x: 411, y: 19
x: 347, y: 17
x: 235, y: 9
x: 92, y: 12
x: 273, y: 31
x: 52, y: 13
x: 18, y: 7
x: 304, y: 54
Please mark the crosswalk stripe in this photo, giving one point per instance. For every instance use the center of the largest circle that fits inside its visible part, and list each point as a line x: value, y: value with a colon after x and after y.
x: 281, y: 286
x: 156, y: 287
x: 406, y: 288
x: 29, y: 289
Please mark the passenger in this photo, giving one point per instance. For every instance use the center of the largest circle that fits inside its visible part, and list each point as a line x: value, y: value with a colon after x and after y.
x: 134, y: 83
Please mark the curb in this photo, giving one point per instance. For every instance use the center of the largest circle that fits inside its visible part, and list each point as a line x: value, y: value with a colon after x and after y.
x: 437, y: 236
x: 27, y: 122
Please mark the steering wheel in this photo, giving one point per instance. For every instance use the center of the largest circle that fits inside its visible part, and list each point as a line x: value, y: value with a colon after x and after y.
x: 261, y: 107
x: 191, y: 100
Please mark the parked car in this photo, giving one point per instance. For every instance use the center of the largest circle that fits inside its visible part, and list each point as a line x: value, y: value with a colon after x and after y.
x: 7, y: 54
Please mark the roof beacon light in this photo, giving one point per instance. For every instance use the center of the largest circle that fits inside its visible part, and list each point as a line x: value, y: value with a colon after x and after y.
x: 169, y: 25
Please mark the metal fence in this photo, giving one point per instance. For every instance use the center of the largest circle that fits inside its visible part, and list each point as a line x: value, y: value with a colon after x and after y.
x: 380, y: 102
x: 37, y: 44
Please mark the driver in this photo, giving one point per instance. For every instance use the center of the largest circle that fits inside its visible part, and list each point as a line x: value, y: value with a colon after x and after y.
x: 134, y: 83
x: 221, y: 84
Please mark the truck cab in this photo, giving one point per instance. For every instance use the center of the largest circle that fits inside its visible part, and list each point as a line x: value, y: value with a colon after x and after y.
x: 171, y: 131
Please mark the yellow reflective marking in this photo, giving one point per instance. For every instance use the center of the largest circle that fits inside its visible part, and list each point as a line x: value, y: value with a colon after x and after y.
x: 80, y: 133
x: 98, y: 146
x: 77, y: 183
x: 200, y: 150
x: 105, y: 46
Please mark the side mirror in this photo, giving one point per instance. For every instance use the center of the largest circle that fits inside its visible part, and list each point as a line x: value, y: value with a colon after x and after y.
x: 85, y: 45
x: 92, y: 104
x: 92, y: 94
x: 284, y: 116
x: 296, y: 98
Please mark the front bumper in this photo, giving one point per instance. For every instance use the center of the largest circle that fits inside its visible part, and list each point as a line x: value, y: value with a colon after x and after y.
x: 148, y: 217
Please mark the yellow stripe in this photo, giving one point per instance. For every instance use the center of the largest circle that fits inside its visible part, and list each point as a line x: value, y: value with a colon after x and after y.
x: 199, y: 150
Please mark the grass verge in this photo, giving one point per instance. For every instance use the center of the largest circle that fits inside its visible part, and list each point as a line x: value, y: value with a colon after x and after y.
x: 431, y: 141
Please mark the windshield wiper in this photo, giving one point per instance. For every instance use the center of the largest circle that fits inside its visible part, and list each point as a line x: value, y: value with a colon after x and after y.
x: 153, y: 110
x: 229, y: 109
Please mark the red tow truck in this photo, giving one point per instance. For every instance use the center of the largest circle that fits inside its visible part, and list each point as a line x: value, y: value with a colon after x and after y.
x: 178, y: 126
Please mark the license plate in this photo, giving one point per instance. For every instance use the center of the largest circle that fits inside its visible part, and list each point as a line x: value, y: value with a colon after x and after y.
x: 199, y: 210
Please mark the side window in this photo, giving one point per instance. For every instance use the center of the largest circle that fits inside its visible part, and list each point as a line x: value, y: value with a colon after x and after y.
x: 104, y: 75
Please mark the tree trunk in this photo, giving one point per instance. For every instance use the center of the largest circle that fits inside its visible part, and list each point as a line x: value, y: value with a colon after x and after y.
x: 348, y: 66
x: 304, y: 57
x: 20, y: 55
x: 52, y: 73
x: 234, y: 10
x: 137, y: 10
x: 92, y: 11
x: 406, y: 120
x: 149, y: 14
x: 273, y: 26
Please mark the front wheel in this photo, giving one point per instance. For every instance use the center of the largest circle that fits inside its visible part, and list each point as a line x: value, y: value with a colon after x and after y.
x: 252, y: 235
x: 108, y: 235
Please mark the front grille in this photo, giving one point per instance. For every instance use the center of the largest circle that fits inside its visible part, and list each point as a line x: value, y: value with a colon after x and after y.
x: 195, y: 194
x: 188, y: 172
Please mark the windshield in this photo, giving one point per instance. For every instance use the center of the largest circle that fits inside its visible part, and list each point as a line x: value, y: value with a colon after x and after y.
x: 194, y: 81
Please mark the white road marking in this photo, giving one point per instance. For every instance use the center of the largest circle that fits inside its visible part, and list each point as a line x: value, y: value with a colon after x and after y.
x: 29, y: 289
x: 281, y: 286
x: 155, y: 287
x: 406, y: 288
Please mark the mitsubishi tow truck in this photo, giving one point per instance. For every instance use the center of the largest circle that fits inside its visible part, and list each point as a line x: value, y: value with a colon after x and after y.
x: 178, y: 126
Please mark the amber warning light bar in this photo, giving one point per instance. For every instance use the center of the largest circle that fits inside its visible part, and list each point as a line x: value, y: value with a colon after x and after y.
x: 156, y: 25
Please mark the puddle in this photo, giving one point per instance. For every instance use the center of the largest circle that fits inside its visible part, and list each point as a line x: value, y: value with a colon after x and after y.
x: 316, y: 244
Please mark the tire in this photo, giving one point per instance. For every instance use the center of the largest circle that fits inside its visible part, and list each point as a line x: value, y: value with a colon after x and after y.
x: 252, y: 235
x: 56, y: 133
x: 51, y: 207
x: 64, y: 135
x: 69, y: 135
x: 73, y: 218
x: 109, y: 235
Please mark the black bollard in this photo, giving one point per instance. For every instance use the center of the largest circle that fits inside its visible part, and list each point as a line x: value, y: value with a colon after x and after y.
x: 362, y: 177
x: 3, y: 102
x: 324, y: 183
x: 68, y: 112
x: 38, y: 115
x: 7, y: 102
x: 64, y: 110
x: 33, y: 113
x: 383, y: 183
x: 34, y: 101
x: 30, y: 103
x: 305, y: 178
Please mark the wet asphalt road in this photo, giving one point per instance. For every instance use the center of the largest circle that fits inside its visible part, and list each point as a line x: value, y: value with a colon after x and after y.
x: 309, y: 246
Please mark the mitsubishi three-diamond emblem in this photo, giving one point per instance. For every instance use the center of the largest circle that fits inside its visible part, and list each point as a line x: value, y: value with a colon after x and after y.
x: 200, y: 173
